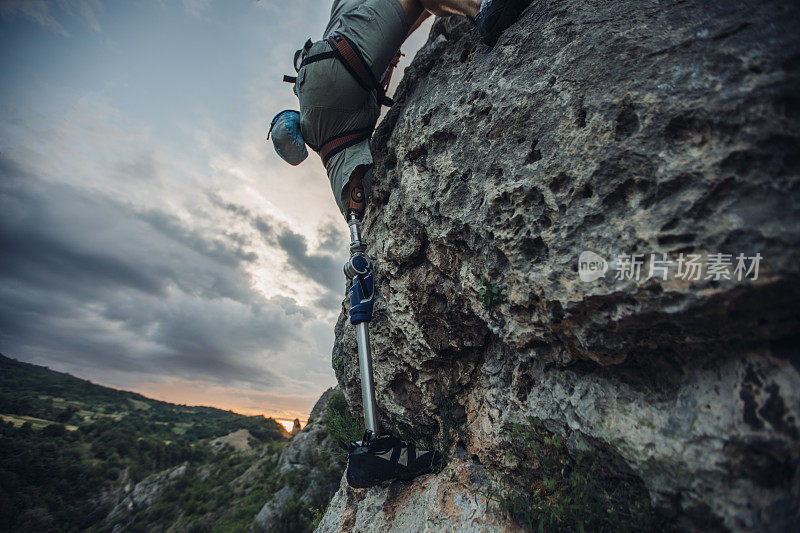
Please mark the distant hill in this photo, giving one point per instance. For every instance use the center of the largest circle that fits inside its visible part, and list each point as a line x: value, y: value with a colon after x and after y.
x: 78, y: 456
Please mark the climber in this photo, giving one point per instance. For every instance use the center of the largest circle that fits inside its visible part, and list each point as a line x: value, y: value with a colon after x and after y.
x: 340, y: 97
x: 337, y: 79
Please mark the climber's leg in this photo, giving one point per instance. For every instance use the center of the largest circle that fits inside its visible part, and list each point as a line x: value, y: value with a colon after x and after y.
x: 413, y: 9
x: 497, y: 15
x: 446, y: 8
x: 353, y: 193
x: 378, y: 457
x: 491, y: 16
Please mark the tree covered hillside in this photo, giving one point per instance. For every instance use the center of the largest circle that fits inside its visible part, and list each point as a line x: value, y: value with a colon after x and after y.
x: 79, y: 456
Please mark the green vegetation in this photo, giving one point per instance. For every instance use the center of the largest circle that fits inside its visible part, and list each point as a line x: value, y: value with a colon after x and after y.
x: 489, y: 293
x: 449, y: 410
x: 316, y: 516
x: 342, y: 427
x: 551, y: 490
x: 65, y: 442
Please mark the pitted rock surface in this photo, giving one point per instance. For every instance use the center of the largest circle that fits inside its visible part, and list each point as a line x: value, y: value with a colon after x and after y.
x: 664, y: 127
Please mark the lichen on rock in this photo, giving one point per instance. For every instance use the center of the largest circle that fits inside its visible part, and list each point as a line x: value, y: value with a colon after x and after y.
x: 664, y: 127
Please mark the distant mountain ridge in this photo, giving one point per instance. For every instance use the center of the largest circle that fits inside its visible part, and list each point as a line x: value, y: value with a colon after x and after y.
x: 19, y: 375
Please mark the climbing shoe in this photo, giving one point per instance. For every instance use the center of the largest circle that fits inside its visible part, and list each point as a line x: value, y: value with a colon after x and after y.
x: 497, y: 15
x: 373, y: 461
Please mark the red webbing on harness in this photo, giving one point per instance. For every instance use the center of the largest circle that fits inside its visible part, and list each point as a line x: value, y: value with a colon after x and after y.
x: 387, y: 76
x: 337, y: 144
x: 353, y: 60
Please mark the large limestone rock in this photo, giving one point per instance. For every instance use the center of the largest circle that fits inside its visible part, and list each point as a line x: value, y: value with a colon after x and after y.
x: 307, y: 469
x: 655, y: 127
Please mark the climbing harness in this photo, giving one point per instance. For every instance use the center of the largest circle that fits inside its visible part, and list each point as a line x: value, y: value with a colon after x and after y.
x: 387, y: 76
x: 343, y: 49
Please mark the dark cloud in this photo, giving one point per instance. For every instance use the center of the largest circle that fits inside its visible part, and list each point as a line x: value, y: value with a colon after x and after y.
x: 10, y: 169
x: 216, y: 199
x: 332, y: 240
x: 265, y: 228
x: 92, y: 283
x: 33, y: 256
x: 323, y: 266
x: 325, y: 269
x: 37, y: 242
x: 230, y: 253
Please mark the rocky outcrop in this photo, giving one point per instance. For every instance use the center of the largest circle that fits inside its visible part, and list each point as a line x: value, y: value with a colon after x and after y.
x: 657, y: 128
x: 308, y: 470
x: 146, y: 492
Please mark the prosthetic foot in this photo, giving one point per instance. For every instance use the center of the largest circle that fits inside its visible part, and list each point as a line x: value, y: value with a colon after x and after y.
x: 497, y: 15
x: 374, y: 460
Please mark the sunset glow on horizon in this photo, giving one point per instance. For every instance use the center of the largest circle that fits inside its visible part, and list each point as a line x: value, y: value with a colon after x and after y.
x: 287, y: 424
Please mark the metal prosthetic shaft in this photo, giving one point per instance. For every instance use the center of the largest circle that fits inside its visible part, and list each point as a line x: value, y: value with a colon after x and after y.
x: 362, y: 291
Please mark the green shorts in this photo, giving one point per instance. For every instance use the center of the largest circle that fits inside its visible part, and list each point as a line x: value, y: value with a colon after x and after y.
x: 331, y: 100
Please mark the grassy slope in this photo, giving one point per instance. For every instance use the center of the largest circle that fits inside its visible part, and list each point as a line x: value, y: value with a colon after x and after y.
x: 65, y: 441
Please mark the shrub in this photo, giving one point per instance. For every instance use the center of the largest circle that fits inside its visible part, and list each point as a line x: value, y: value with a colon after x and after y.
x: 342, y: 427
x: 551, y: 490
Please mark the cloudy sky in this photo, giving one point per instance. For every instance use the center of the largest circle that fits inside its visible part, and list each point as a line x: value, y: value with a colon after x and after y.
x: 151, y: 240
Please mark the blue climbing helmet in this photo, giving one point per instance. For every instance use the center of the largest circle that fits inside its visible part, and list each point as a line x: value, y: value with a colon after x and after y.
x: 287, y: 138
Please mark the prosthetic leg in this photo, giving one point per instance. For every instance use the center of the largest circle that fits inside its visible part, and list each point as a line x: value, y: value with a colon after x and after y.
x: 361, y: 286
x: 358, y: 271
x: 378, y: 457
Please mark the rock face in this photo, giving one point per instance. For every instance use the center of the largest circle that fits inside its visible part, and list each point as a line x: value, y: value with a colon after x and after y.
x: 307, y: 472
x: 668, y: 127
x: 435, y: 503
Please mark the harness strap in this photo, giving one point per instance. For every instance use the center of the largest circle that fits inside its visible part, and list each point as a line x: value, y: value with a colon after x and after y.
x: 352, y: 59
x: 308, y: 61
x: 317, y: 57
x: 350, y: 56
x: 387, y: 76
x: 395, y: 457
x: 343, y: 49
x: 336, y: 144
